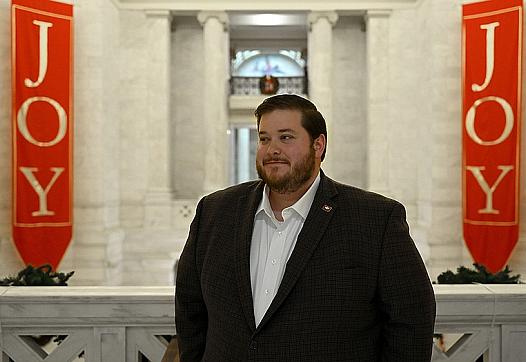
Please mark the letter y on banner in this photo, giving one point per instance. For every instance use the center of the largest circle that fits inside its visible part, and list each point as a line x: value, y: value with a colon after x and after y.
x: 42, y: 63
x: 491, y: 97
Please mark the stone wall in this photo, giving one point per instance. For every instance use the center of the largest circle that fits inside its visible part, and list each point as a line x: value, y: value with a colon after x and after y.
x: 440, y: 133
x: 95, y: 251
x: 118, y: 241
x: 424, y: 127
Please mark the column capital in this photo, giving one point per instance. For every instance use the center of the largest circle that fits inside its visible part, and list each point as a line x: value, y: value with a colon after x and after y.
x: 158, y: 14
x: 314, y: 16
x: 376, y: 14
x: 221, y: 16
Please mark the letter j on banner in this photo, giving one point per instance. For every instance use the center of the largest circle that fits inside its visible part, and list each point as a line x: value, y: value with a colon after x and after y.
x: 491, y: 126
x: 42, y: 97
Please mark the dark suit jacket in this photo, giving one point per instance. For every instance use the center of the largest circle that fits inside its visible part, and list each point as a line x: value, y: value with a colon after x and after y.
x: 354, y: 288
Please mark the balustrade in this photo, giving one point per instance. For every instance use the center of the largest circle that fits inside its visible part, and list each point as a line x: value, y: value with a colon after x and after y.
x: 134, y: 324
x: 250, y: 85
x: 94, y: 323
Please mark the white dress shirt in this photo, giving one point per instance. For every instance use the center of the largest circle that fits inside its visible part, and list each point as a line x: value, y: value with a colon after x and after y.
x: 272, y: 245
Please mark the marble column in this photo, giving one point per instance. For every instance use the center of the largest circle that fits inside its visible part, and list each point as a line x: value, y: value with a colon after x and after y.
x: 377, y: 65
x: 157, y: 208
x: 215, y: 98
x: 95, y: 252
x: 320, y: 66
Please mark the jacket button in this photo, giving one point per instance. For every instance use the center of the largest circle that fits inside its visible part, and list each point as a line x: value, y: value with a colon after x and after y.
x: 253, y: 345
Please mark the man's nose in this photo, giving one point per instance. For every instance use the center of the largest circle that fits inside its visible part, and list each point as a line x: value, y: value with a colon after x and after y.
x: 273, y: 148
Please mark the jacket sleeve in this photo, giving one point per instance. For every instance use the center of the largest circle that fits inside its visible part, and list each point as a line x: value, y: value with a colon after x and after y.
x: 191, y: 316
x: 406, y: 297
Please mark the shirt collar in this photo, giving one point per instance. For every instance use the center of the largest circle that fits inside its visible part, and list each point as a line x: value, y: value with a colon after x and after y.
x: 302, y: 206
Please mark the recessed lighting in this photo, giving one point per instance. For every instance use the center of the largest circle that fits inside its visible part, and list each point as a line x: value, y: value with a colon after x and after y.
x: 269, y: 19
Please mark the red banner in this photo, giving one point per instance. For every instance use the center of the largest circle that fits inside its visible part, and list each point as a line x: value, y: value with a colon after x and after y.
x: 491, y: 95
x: 42, y: 86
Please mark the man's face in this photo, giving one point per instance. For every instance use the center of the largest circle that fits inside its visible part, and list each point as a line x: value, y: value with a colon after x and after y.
x: 286, y: 157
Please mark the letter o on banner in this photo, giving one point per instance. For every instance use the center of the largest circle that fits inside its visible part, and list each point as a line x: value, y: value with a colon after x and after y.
x: 21, y: 120
x: 470, y: 121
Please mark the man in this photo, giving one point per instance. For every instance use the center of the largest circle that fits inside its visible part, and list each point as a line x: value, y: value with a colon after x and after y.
x: 298, y: 267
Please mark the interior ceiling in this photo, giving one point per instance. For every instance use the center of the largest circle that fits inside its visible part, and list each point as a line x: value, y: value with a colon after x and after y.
x: 267, y: 19
x: 268, y: 31
x: 269, y: 26
x: 264, y: 31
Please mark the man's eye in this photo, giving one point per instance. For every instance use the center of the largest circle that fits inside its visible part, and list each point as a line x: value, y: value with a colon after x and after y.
x: 263, y: 139
x: 286, y: 137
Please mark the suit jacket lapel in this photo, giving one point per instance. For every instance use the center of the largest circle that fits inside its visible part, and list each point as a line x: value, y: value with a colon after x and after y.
x: 246, y: 209
x: 318, y: 219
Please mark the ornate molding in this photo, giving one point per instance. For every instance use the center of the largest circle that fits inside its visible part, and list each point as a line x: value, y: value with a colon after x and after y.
x: 314, y: 16
x: 222, y: 16
x: 269, y: 5
x: 377, y: 13
x: 163, y: 14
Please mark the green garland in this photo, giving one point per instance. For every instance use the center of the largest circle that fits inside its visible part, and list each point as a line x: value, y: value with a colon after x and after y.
x: 479, y: 275
x: 40, y: 276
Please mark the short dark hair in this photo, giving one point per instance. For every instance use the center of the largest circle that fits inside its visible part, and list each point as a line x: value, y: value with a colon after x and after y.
x: 311, y: 119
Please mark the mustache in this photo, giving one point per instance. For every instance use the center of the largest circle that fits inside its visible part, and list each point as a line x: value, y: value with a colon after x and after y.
x: 274, y: 159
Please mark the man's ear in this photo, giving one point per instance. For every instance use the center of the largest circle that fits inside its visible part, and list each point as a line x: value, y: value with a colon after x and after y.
x: 319, y: 145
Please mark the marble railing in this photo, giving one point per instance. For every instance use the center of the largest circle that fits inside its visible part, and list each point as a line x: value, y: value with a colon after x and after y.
x: 482, y: 319
x: 250, y: 85
x: 94, y: 323
x: 135, y: 323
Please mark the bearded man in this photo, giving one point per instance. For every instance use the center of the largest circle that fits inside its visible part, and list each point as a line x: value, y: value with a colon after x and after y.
x: 298, y: 267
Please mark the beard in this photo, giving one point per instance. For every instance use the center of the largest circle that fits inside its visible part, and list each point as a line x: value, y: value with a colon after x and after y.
x: 291, y: 181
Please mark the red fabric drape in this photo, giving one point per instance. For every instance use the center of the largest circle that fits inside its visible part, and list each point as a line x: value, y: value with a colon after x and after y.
x: 42, y: 98
x: 491, y: 123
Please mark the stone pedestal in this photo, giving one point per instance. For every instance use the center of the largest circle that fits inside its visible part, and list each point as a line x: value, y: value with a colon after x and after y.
x: 320, y: 67
x: 377, y: 65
